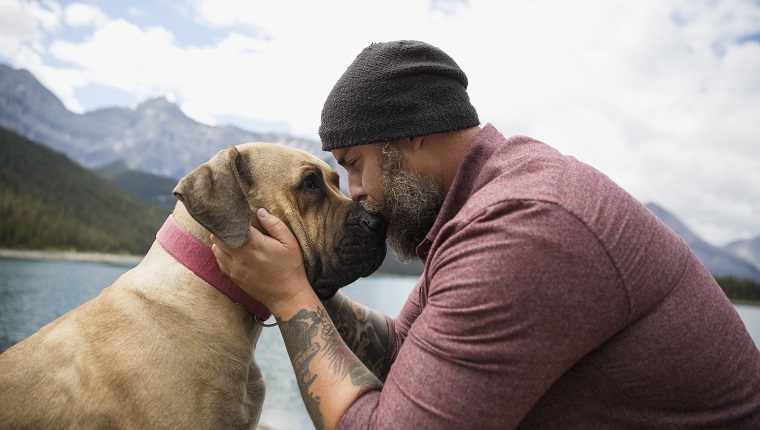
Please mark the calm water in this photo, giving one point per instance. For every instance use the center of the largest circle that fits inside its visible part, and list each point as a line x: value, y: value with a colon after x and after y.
x: 34, y: 293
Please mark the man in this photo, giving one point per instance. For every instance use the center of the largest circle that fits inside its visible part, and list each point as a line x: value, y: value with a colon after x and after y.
x: 550, y: 299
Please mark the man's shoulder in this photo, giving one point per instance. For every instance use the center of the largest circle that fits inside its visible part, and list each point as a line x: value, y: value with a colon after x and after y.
x: 532, y: 173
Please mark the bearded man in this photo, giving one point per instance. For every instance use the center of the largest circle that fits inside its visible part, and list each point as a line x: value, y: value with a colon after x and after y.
x: 550, y: 297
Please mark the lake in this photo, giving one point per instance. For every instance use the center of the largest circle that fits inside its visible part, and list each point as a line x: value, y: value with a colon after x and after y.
x: 35, y: 292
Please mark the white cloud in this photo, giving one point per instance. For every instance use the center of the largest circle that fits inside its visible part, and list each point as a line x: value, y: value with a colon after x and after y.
x: 124, y: 56
x: 23, y: 22
x: 198, y: 112
x: 83, y: 15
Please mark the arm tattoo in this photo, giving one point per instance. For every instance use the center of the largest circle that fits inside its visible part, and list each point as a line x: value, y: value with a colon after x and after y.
x: 310, y: 334
x: 363, y: 329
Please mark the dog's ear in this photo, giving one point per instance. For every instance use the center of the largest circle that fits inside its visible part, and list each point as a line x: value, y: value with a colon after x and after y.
x: 214, y: 194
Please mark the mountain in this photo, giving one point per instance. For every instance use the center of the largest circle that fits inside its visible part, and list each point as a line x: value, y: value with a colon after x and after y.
x: 718, y: 261
x: 746, y: 249
x: 156, y: 137
x: 49, y: 202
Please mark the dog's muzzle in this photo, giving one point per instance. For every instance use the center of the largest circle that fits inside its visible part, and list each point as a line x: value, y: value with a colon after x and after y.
x: 360, y: 250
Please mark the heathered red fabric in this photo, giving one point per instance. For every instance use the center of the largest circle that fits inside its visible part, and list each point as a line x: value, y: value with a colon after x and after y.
x: 552, y: 299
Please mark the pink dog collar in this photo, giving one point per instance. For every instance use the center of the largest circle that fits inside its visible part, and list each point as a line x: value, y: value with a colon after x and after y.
x: 196, y: 256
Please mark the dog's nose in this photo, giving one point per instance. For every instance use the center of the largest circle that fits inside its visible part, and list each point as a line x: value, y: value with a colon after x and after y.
x: 373, y: 222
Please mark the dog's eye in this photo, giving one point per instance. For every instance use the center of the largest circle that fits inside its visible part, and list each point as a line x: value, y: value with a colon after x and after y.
x: 310, y: 182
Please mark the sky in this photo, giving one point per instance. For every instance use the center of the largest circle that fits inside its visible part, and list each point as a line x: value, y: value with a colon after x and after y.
x: 663, y: 96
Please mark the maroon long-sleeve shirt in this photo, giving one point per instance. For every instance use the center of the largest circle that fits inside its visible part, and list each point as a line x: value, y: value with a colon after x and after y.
x: 551, y: 299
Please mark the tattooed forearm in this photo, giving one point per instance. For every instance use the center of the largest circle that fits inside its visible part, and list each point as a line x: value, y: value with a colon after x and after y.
x: 321, y: 358
x: 298, y: 333
x: 364, y: 330
x: 341, y: 360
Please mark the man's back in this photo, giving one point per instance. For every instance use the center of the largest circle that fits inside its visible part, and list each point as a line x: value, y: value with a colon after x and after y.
x: 553, y: 299
x: 683, y: 357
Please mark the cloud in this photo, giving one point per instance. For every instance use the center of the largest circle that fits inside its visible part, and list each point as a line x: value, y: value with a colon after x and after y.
x: 197, y: 111
x: 83, y: 15
x: 23, y: 22
x: 121, y: 55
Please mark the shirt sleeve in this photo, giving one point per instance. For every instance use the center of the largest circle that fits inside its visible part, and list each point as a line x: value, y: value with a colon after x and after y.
x: 515, y: 295
x: 398, y: 328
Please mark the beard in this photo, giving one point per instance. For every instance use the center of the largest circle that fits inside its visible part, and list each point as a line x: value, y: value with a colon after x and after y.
x: 411, y: 203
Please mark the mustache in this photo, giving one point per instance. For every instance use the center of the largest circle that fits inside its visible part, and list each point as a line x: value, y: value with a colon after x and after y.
x: 374, y: 207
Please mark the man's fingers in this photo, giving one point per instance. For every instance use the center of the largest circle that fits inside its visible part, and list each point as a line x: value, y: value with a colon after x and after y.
x: 219, y: 253
x: 258, y: 245
x: 218, y: 243
x: 274, y: 226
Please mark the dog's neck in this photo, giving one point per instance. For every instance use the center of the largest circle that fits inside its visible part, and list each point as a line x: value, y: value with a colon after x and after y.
x: 195, y: 254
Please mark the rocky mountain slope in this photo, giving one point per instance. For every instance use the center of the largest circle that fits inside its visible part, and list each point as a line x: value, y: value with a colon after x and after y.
x: 748, y: 250
x: 718, y: 261
x: 156, y: 137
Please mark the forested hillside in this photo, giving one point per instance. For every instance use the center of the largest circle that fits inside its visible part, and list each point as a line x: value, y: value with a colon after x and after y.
x: 49, y: 202
x: 146, y: 186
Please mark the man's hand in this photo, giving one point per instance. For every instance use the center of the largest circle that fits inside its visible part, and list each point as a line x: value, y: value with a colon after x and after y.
x: 269, y: 268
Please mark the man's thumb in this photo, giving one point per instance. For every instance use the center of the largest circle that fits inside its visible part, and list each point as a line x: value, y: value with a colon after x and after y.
x: 273, y: 225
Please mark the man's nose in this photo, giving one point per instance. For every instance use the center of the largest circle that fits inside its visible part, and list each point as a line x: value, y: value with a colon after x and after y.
x: 356, y: 191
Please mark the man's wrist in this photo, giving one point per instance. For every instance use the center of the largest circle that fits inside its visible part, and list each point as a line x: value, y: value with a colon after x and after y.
x: 285, y: 309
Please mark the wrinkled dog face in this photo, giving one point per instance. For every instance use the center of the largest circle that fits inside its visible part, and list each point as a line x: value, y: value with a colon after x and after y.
x: 340, y: 240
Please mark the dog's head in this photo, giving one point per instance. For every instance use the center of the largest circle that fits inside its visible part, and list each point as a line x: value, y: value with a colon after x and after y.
x: 340, y: 240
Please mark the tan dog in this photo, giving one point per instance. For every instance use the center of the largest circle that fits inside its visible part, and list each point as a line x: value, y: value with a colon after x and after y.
x: 161, y: 348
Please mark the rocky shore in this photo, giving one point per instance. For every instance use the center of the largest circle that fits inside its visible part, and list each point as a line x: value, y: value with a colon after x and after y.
x: 34, y: 254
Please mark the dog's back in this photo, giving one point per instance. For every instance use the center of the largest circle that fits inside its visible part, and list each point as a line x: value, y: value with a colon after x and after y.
x: 157, y: 349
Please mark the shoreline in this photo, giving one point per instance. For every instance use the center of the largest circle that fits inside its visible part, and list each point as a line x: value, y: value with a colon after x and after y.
x: 97, y: 257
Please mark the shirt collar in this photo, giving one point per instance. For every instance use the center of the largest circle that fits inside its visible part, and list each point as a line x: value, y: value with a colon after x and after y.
x: 469, y: 178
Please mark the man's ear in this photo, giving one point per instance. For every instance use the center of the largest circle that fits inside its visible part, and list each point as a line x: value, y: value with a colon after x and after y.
x: 409, y: 145
x: 214, y: 194
x: 417, y: 142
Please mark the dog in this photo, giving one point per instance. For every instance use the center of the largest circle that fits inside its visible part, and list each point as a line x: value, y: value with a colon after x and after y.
x: 161, y: 347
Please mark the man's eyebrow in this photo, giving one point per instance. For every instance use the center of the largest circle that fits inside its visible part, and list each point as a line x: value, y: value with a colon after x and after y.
x: 342, y: 159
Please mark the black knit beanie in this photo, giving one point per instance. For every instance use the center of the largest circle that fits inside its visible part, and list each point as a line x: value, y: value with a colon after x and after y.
x: 395, y: 90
